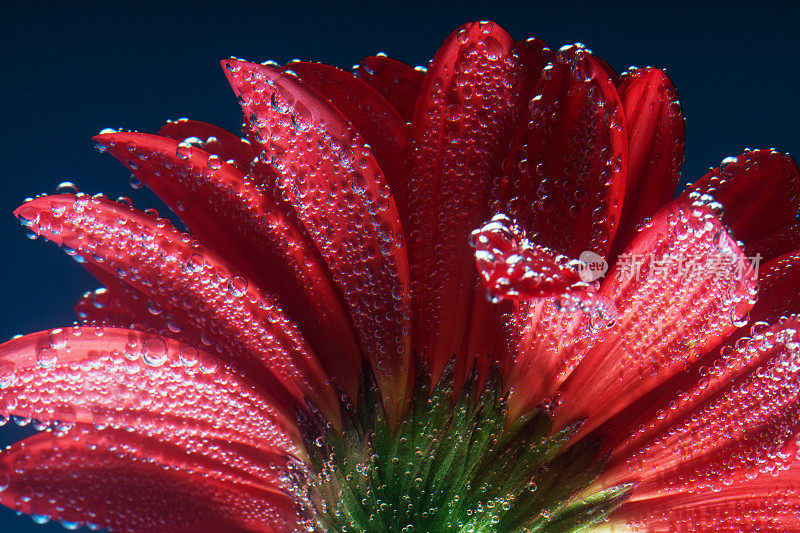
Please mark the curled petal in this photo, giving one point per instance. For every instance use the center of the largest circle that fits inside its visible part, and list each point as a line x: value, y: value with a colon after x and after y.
x: 554, y: 307
x: 511, y: 269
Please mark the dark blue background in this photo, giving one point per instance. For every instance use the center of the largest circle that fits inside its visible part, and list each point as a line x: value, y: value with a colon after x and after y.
x: 69, y: 71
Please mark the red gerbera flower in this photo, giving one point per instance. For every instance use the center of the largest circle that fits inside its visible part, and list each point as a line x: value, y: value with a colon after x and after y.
x: 319, y: 351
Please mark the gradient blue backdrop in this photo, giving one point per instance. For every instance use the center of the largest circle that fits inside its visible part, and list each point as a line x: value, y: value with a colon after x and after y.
x: 69, y: 71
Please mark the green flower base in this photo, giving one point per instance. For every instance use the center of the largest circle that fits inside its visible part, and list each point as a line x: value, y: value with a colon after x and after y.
x: 453, y: 466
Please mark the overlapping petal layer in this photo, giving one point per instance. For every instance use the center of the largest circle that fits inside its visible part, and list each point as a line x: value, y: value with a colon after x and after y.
x: 330, y: 177
x: 740, y: 420
x: 373, y: 117
x: 681, y: 287
x: 228, y: 212
x: 564, y: 178
x: 397, y: 82
x: 140, y: 382
x: 760, y: 191
x: 229, y: 147
x: 655, y: 129
x: 244, y: 326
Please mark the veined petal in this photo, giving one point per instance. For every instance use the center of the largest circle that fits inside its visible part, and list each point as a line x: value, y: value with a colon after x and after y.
x: 212, y: 139
x: 466, y: 107
x: 681, y: 287
x: 778, y: 282
x: 83, y: 482
x: 564, y: 180
x: 655, y: 128
x: 111, y: 377
x: 372, y: 116
x: 740, y: 420
x: 397, y: 82
x: 767, y: 503
x: 232, y: 216
x: 779, y: 287
x: 548, y: 340
x: 145, y: 390
x: 328, y: 174
x: 760, y: 191
x: 147, y: 253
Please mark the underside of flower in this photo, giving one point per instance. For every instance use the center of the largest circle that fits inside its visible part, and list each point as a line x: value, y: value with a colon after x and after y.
x: 316, y: 351
x: 453, y: 465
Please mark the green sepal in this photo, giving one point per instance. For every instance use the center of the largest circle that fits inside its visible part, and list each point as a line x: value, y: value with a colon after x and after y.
x: 452, y: 465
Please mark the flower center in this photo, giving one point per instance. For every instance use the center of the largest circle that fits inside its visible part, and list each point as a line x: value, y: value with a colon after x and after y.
x: 453, y: 465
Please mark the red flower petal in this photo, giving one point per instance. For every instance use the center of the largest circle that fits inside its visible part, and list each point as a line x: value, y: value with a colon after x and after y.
x: 333, y: 182
x: 486, y: 334
x: 124, y: 489
x: 776, y: 242
x: 215, y: 140
x: 513, y: 268
x: 105, y: 307
x: 746, y: 426
x: 231, y: 215
x: 779, y: 287
x: 200, y: 289
x: 465, y: 107
x: 397, y: 82
x: 767, y: 503
x: 615, y: 78
x: 146, y: 384
x: 554, y: 309
x: 682, y: 287
x: 760, y: 191
x: 655, y: 128
x: 564, y: 179
x: 485, y: 341
x: 373, y: 117
x: 119, y: 305
x: 134, y: 380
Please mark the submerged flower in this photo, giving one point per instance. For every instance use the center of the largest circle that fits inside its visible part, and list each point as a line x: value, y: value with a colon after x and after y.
x: 392, y: 310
